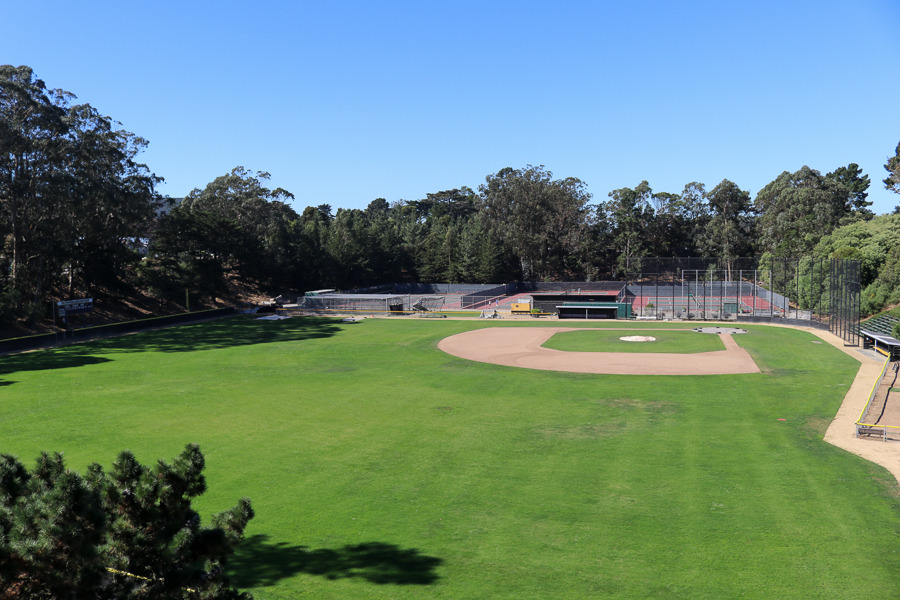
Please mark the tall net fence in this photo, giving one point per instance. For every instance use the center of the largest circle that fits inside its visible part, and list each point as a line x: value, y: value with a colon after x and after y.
x: 819, y: 292
x: 844, y: 300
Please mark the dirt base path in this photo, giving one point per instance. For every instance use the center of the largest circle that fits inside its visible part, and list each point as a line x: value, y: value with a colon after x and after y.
x: 842, y: 431
x: 521, y: 347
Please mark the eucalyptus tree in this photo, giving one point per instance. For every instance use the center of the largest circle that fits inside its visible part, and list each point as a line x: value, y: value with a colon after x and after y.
x: 263, y: 216
x: 112, y: 198
x: 664, y: 228
x: 695, y: 217
x: 629, y: 216
x: 730, y: 231
x: 543, y: 220
x: 72, y: 195
x: 242, y: 196
x: 33, y: 175
x: 798, y: 209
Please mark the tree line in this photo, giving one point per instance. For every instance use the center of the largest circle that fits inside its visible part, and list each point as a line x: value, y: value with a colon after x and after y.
x: 81, y: 216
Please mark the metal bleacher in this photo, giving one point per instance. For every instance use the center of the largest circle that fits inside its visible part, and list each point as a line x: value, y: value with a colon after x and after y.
x: 878, y: 333
x: 882, y: 324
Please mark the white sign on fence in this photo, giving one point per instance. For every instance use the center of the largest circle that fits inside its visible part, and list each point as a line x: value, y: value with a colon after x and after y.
x: 74, y: 307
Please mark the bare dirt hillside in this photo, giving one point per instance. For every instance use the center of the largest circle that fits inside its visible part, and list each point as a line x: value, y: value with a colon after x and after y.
x: 112, y: 307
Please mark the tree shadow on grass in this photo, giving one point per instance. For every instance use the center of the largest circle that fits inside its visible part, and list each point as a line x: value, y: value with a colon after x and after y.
x: 222, y: 333
x: 45, y: 360
x: 260, y: 563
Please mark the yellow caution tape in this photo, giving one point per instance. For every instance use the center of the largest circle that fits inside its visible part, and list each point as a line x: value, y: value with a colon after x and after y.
x: 127, y: 574
x: 872, y: 393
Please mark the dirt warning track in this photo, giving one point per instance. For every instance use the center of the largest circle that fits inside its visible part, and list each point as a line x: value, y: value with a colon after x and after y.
x: 521, y: 347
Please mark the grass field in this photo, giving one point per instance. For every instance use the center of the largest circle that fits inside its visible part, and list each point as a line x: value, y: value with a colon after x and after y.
x: 681, y: 342
x: 380, y: 467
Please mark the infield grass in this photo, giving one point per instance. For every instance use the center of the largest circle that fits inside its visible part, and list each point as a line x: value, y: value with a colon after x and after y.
x: 600, y: 340
x: 380, y: 467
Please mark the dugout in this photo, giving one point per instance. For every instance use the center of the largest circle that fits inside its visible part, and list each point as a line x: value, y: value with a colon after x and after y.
x: 594, y: 310
x: 549, y: 302
x: 882, y: 343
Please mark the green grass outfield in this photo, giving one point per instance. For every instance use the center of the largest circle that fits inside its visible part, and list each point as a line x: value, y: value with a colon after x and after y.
x: 599, y: 340
x: 380, y: 467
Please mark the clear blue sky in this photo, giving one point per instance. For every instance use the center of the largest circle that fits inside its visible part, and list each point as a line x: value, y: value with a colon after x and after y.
x: 344, y: 102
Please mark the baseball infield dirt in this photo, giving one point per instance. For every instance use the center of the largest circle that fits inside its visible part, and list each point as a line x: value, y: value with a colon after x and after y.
x: 521, y: 347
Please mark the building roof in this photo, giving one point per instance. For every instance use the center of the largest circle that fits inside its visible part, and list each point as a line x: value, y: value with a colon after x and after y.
x: 880, y: 337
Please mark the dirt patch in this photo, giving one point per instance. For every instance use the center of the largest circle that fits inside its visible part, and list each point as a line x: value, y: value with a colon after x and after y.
x: 648, y: 406
x: 522, y: 347
x: 582, y: 432
x: 817, y: 426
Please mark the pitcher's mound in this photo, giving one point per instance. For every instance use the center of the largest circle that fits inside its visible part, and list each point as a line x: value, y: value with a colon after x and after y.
x: 638, y: 338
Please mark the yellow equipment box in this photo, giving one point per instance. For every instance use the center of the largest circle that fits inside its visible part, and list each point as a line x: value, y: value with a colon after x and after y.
x: 521, y: 308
